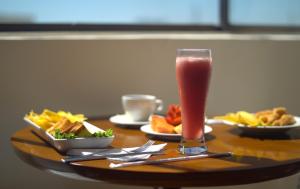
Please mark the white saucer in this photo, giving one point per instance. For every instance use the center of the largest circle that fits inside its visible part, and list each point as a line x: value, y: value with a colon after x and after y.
x: 148, y: 130
x: 122, y: 119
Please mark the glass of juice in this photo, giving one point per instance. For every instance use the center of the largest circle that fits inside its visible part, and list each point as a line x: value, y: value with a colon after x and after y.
x: 193, y: 69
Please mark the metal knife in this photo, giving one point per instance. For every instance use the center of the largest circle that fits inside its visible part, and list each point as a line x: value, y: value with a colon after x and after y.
x: 157, y: 161
x: 94, y: 157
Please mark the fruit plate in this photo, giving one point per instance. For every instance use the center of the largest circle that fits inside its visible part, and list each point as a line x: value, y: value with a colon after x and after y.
x: 63, y: 145
x: 148, y: 130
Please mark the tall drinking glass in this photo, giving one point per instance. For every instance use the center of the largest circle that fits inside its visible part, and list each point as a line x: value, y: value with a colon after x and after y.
x: 193, y: 69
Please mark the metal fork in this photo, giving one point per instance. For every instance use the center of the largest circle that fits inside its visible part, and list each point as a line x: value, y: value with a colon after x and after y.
x: 141, y: 148
x: 91, y: 156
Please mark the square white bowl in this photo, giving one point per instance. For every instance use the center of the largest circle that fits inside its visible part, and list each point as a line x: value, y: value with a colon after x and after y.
x: 63, y: 145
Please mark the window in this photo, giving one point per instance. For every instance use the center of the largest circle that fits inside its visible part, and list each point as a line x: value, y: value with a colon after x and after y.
x: 227, y: 15
x: 284, y: 13
x: 131, y: 12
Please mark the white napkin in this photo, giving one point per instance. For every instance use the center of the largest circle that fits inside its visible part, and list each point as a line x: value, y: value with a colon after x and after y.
x: 152, y: 148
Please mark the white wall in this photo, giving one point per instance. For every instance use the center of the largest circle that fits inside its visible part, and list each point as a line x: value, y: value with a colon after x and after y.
x: 88, y: 74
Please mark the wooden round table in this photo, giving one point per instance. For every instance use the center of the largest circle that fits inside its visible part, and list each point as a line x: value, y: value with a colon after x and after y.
x: 255, y: 159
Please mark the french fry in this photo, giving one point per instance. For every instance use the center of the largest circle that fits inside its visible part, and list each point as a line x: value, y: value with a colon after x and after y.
x: 47, y: 119
x: 232, y: 117
x: 247, y: 118
x: 72, y: 118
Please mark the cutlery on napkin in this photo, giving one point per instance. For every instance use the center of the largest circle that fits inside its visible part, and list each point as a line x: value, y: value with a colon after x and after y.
x: 151, y: 149
x: 124, y: 154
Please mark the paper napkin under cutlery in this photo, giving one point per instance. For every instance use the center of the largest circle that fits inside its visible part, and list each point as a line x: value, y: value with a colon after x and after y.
x: 130, y: 157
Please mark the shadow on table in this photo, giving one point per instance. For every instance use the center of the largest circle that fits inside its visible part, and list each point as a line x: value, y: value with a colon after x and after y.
x: 208, y: 137
x: 245, y: 161
x: 292, y: 134
x: 31, y: 142
x: 130, y: 127
x: 43, y: 142
x: 26, y: 141
x: 250, y: 160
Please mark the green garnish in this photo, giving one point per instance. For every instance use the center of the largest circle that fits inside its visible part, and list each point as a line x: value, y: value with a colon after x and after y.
x: 107, y: 133
x: 59, y: 135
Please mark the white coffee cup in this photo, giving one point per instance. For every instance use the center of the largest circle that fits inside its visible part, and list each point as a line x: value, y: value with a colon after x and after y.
x: 139, y: 107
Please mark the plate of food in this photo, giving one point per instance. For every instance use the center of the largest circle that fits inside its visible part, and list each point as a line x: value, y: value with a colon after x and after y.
x: 167, y: 127
x: 65, y: 131
x: 169, y: 136
x: 272, y: 120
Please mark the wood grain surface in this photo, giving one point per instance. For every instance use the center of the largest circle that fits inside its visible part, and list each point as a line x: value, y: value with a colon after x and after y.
x: 256, y: 158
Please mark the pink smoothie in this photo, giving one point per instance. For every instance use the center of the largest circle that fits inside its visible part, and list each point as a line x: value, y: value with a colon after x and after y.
x: 193, y: 75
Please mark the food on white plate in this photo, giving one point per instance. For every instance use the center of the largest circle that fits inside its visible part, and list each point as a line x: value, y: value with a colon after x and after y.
x: 271, y: 117
x: 64, y: 125
x: 173, y: 115
x: 178, y: 129
x: 170, y: 124
x: 160, y: 125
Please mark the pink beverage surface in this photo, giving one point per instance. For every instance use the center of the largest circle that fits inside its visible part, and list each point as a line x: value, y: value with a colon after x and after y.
x: 193, y: 75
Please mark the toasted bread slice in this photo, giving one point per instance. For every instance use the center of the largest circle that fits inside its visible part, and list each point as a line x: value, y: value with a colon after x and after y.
x: 63, y: 125
x: 77, y: 127
x: 67, y: 128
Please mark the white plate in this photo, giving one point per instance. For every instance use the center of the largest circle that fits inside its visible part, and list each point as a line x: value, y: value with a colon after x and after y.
x: 63, y: 145
x: 122, y: 119
x: 257, y: 129
x: 148, y: 130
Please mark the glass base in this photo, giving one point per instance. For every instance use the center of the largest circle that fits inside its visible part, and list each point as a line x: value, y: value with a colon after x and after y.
x: 192, y: 147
